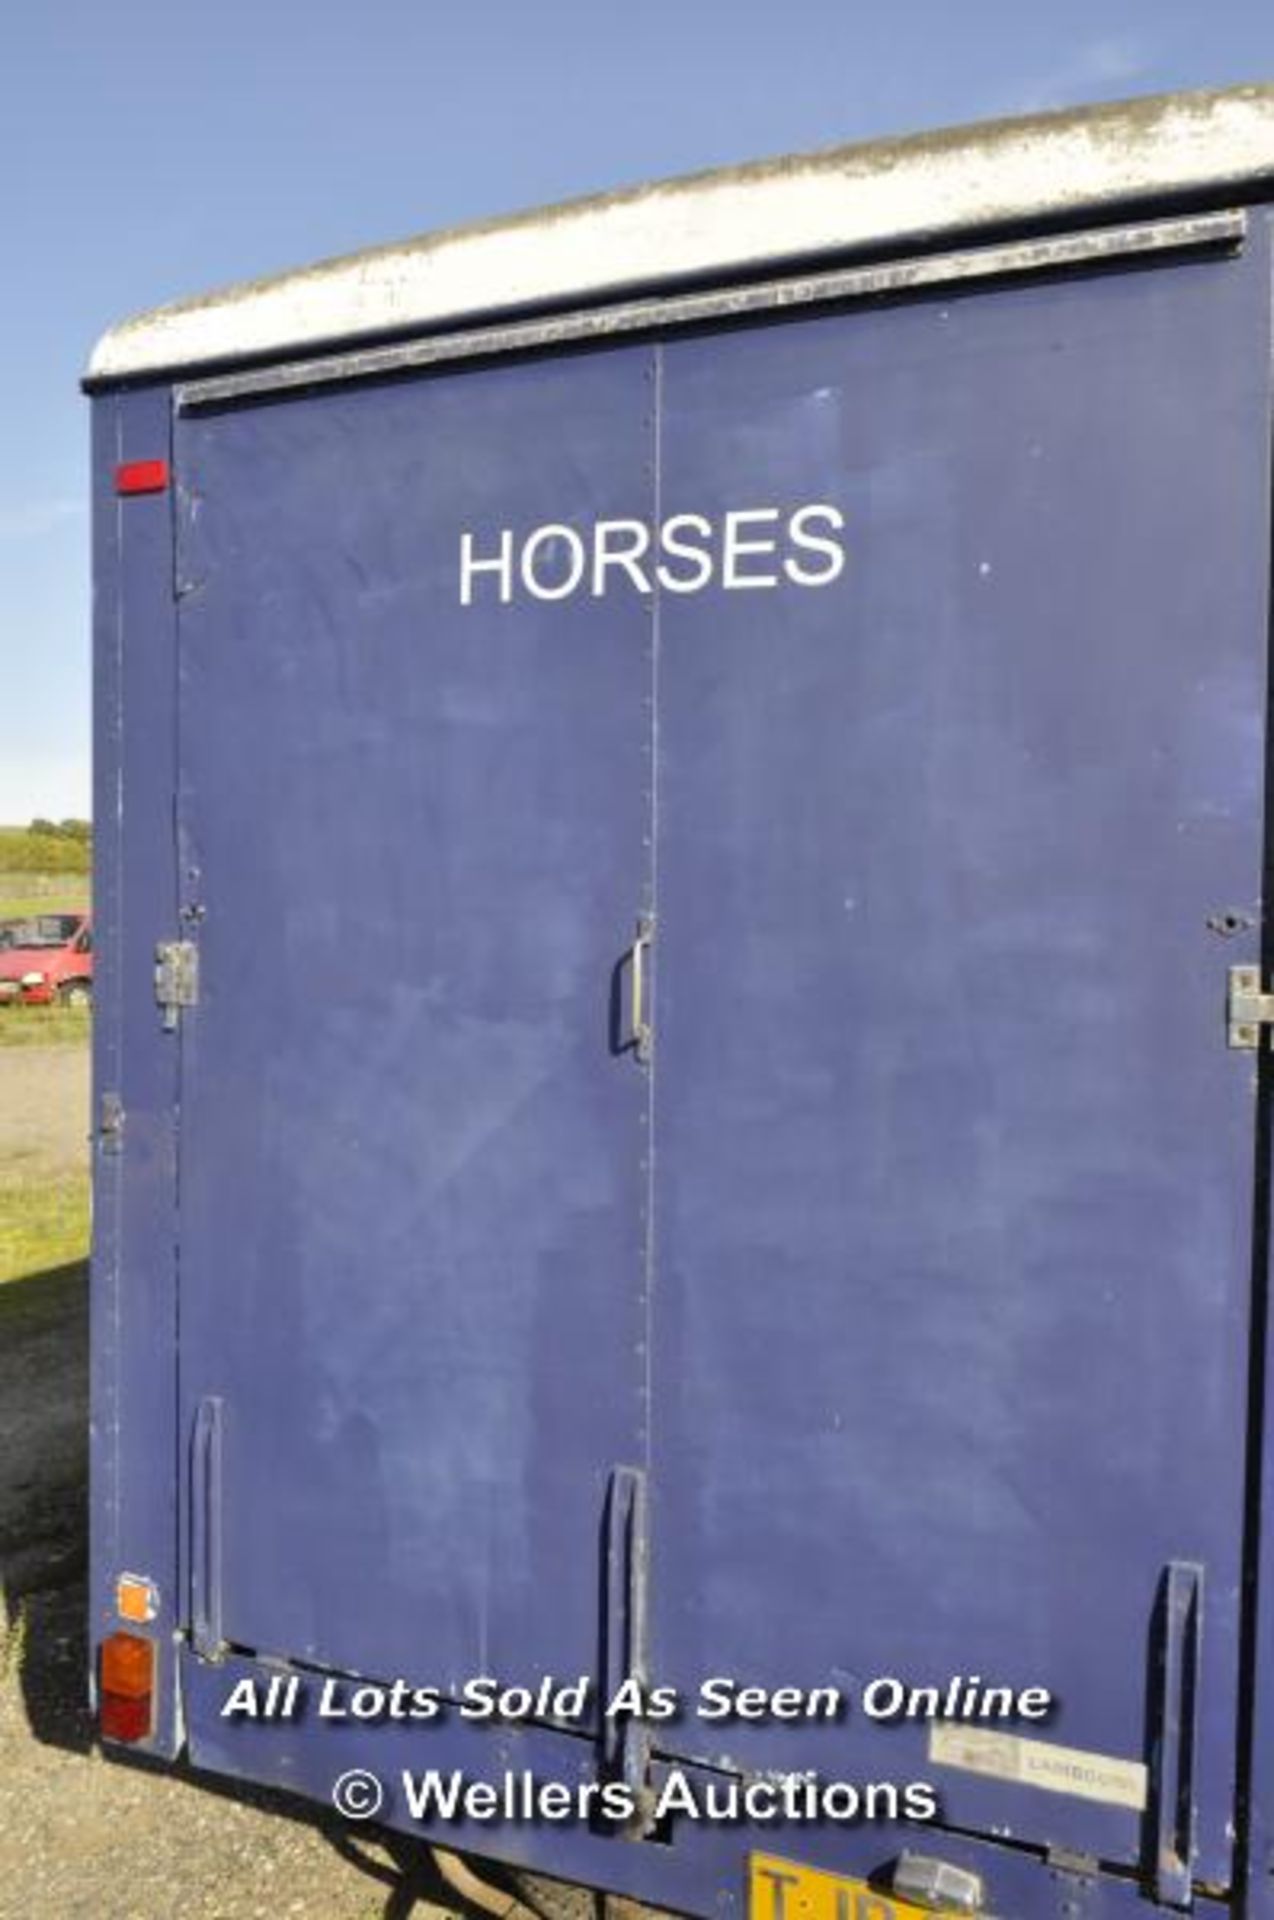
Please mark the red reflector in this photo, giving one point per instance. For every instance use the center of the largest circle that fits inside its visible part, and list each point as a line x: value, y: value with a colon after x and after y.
x: 128, y: 1687
x: 141, y: 476
x: 125, y: 1720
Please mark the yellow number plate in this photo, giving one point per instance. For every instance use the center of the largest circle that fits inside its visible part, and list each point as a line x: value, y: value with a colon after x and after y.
x: 780, y: 1890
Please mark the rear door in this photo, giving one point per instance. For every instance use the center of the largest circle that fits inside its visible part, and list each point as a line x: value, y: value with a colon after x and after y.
x: 413, y: 850
x: 953, y: 1222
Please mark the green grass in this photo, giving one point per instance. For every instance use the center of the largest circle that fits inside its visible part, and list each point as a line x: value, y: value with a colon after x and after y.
x: 23, y: 894
x: 44, y: 1027
x: 21, y: 906
x: 43, y: 1219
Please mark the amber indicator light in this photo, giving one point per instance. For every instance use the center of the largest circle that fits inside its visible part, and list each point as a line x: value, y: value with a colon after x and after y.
x: 128, y: 1687
x: 135, y: 1598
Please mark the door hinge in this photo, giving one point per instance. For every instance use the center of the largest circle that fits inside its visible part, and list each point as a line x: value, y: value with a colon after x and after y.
x: 1247, y: 1008
x: 176, y: 979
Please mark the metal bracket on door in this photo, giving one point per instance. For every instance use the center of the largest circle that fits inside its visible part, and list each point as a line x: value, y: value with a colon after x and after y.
x: 626, y: 1737
x: 1247, y: 1008
x: 176, y: 979
x: 1180, y: 1636
x: 110, y: 1122
x: 206, y: 1636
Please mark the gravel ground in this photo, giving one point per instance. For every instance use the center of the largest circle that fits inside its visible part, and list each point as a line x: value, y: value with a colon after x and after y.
x: 44, y: 1104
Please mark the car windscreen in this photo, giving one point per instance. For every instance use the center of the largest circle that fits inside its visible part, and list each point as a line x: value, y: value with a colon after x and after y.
x: 45, y: 930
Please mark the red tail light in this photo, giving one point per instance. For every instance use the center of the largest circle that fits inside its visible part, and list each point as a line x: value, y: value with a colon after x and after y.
x: 141, y: 476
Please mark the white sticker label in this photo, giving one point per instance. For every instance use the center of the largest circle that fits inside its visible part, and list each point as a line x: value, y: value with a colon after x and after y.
x: 1038, y: 1763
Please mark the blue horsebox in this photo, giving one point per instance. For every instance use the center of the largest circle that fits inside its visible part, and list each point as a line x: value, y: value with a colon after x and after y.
x: 683, y: 1098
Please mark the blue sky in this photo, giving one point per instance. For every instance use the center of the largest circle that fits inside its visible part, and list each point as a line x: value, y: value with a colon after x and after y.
x: 148, y: 151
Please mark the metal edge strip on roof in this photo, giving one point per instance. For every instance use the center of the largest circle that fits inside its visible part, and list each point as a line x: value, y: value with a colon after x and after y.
x: 1150, y: 240
x: 841, y: 201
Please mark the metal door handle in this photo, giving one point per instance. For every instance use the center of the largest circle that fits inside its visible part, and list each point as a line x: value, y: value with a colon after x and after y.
x: 638, y: 1022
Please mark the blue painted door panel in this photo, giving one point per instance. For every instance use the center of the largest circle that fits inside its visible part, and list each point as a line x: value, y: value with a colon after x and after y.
x: 952, y: 1225
x: 413, y: 849
x: 951, y: 1254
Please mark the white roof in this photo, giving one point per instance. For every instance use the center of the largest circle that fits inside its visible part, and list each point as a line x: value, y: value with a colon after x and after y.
x: 839, y: 202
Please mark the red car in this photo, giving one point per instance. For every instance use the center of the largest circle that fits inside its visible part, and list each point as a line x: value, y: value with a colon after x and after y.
x: 46, y: 959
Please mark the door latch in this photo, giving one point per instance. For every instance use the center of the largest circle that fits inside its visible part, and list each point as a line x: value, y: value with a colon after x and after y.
x: 1248, y: 1009
x: 110, y: 1123
x: 928, y: 1882
x: 176, y: 979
